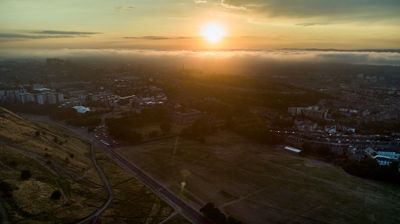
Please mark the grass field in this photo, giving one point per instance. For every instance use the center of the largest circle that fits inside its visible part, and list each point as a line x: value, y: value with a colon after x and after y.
x: 260, y: 184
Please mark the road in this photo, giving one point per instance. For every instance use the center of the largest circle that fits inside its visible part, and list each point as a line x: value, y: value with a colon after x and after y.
x: 182, y: 207
x: 106, y: 183
x: 179, y: 205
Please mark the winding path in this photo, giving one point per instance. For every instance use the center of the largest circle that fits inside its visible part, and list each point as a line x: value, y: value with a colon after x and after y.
x: 106, y: 183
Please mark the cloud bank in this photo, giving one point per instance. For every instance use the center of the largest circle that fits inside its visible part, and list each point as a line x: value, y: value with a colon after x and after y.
x: 245, y: 57
x: 160, y: 38
x: 44, y: 34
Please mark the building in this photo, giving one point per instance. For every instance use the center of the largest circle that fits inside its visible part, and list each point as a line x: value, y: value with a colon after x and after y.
x: 292, y: 149
x: 60, y: 97
x: 384, y: 157
x: 389, y: 154
x: 384, y: 160
x: 29, y: 98
x: 51, y: 98
x: 310, y: 112
x: 40, y: 99
x: 295, y: 110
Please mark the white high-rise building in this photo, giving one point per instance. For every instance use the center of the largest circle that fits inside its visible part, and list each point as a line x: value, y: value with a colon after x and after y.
x: 29, y: 98
x: 60, y: 97
x: 52, y: 98
x: 40, y: 99
x: 21, y: 98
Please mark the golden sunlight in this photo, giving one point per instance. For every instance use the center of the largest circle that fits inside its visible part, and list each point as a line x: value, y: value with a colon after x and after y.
x: 213, y: 32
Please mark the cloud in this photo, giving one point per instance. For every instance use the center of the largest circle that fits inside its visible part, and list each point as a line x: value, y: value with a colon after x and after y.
x: 200, y: 1
x: 24, y: 36
x: 159, y: 38
x: 310, y: 24
x: 56, y: 32
x: 126, y: 8
x: 44, y: 34
x: 341, y: 10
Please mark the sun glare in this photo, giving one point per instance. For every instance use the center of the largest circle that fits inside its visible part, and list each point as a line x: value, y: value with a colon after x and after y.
x: 213, y: 33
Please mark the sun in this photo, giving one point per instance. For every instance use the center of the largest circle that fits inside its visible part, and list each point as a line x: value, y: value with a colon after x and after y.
x: 213, y: 32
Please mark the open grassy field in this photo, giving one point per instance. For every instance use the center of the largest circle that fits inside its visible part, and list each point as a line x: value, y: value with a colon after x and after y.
x: 260, y: 184
x: 59, y: 160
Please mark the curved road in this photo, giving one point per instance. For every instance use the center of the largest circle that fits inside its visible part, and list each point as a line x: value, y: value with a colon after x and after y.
x: 103, y: 177
x: 182, y: 207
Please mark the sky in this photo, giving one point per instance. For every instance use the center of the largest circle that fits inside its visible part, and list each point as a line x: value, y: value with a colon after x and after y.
x: 179, y: 24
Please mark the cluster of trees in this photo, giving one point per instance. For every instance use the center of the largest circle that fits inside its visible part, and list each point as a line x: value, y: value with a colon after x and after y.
x: 85, y: 121
x: 118, y: 128
x: 249, y: 91
x: 199, y: 130
x: 323, y: 152
x: 246, y: 125
x: 70, y: 115
x: 253, y: 128
x: 216, y: 216
x: 367, y: 168
x: 123, y: 128
x: 370, y: 169
x: 30, y: 108
x: 379, y: 127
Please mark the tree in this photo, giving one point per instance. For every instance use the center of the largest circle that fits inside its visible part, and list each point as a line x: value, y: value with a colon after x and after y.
x: 165, y: 127
x: 5, y: 189
x: 213, y: 213
x: 232, y: 220
x: 306, y: 149
x: 198, y: 130
x: 12, y: 163
x: 25, y: 174
x: 56, y: 195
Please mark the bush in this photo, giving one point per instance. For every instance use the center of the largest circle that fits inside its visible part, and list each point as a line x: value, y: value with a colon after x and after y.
x: 213, y: 213
x: 6, y: 189
x: 216, y: 216
x: 12, y: 164
x: 25, y: 174
x: 370, y: 169
x: 56, y: 195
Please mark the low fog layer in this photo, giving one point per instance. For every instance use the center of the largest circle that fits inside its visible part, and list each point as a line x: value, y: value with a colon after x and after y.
x: 214, y: 61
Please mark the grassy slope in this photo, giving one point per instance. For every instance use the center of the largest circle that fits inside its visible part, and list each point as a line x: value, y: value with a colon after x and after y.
x: 61, y: 165
x: 259, y: 184
x: 74, y: 176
